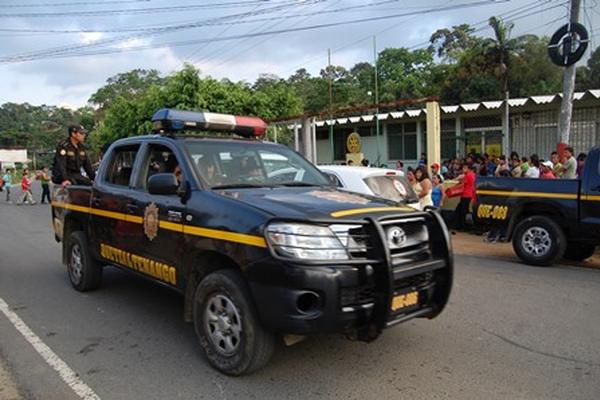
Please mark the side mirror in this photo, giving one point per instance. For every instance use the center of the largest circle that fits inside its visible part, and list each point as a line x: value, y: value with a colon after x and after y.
x: 166, y: 184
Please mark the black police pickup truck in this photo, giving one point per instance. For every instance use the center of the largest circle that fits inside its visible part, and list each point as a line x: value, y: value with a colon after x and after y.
x: 546, y: 218
x: 253, y: 236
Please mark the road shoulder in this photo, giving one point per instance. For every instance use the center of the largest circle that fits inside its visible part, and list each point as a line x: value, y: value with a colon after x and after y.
x: 474, y: 245
x: 8, y: 387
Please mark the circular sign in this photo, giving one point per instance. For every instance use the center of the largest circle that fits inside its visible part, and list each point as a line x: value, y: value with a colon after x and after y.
x: 353, y: 143
x: 399, y: 187
x: 568, y: 44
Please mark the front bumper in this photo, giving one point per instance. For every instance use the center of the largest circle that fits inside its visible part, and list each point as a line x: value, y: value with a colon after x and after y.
x: 356, y: 297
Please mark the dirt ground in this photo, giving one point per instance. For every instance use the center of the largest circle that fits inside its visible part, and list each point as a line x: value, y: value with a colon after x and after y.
x: 8, y: 389
x: 474, y: 245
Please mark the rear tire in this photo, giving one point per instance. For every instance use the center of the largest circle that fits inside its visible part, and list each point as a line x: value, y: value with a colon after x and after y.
x: 84, y: 271
x: 539, y: 241
x: 225, y: 320
x: 579, y: 251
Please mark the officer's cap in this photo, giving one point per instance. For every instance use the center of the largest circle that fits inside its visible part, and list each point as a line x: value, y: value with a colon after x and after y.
x: 76, y: 128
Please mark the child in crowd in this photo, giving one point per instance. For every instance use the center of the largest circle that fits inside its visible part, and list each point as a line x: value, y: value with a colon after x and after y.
x: 26, y: 188
x: 7, y: 178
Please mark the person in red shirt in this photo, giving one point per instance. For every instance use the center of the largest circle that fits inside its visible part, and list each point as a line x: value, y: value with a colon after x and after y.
x: 546, y: 170
x: 462, y: 209
x: 26, y: 188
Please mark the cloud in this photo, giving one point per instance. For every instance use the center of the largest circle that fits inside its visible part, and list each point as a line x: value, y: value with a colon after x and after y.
x: 90, y: 37
x: 73, y: 80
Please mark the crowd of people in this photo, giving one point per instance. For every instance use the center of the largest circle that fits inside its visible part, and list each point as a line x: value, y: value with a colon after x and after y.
x: 11, y: 179
x: 464, y: 172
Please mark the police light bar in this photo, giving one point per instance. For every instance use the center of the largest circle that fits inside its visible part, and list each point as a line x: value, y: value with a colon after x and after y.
x: 170, y: 120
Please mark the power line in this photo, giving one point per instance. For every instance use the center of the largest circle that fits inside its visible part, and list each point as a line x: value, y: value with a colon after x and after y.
x: 218, y: 35
x: 135, y: 11
x: 168, y: 29
x: 78, y: 3
x: 267, y: 38
x: 525, y: 7
x: 511, y: 15
x: 64, y: 53
x: 196, y: 24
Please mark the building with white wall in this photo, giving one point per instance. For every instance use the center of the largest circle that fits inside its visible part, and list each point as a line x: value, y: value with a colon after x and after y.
x: 468, y: 127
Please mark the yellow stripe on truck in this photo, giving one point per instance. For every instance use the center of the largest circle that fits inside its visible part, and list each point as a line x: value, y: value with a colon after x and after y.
x: 565, y: 196
x: 251, y: 240
x: 355, y: 211
x: 225, y: 235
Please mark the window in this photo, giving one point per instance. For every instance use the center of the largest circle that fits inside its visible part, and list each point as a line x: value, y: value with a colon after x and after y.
x: 241, y: 164
x: 121, y: 166
x: 160, y: 159
x: 448, y: 139
x: 402, y: 141
x: 333, y: 179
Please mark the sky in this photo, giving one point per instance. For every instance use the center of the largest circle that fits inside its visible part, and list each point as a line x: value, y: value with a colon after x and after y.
x: 59, y: 52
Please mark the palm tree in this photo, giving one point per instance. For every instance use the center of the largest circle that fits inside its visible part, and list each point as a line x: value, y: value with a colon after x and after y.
x: 498, y: 50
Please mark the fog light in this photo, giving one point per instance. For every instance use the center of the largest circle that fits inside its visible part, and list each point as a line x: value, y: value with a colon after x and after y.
x: 308, y: 302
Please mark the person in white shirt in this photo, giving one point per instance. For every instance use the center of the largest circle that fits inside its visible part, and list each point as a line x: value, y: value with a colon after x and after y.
x: 569, y: 169
x: 534, y: 167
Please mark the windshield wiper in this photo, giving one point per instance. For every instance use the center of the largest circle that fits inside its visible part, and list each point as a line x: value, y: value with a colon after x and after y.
x: 298, y: 184
x: 242, y: 186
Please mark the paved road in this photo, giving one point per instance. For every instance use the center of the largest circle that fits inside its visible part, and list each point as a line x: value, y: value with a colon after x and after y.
x: 510, y: 332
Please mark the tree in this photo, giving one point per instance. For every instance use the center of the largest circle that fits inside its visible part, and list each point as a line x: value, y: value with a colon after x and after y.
x: 127, y: 85
x: 185, y: 89
x: 451, y: 44
x: 588, y: 76
x: 404, y: 73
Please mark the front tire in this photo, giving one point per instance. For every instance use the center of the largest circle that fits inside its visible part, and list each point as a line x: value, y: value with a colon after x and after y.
x: 539, y: 241
x: 84, y: 271
x: 229, y: 332
x: 579, y: 251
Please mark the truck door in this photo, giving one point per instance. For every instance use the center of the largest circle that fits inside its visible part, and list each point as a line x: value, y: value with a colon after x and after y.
x: 590, y: 198
x: 160, y: 238
x: 109, y: 199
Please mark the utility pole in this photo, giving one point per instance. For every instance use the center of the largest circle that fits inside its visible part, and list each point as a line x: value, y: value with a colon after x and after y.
x: 331, y: 146
x: 376, y: 100
x: 566, y: 107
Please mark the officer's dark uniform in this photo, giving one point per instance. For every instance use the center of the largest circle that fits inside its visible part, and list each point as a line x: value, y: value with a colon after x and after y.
x: 68, y: 162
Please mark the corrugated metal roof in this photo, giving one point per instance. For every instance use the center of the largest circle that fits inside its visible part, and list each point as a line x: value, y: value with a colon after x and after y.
x: 449, y: 109
x: 543, y: 99
x: 517, y: 102
x: 492, y: 105
x: 467, y: 107
x: 413, y: 113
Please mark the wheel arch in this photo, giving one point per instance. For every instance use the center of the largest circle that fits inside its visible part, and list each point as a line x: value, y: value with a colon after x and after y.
x: 199, y: 266
x: 537, y: 208
x: 73, y: 222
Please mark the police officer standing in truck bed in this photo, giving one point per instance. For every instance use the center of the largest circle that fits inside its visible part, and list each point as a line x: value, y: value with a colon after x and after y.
x: 71, y: 156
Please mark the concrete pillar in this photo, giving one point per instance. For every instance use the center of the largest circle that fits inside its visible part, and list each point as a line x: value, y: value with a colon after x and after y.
x: 306, y: 138
x: 419, y: 140
x: 506, y: 127
x: 296, y: 138
x: 459, y: 134
x: 313, y: 138
x: 434, y: 132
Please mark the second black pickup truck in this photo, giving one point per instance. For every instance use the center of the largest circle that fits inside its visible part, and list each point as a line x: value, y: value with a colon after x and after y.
x: 257, y: 253
x: 546, y: 219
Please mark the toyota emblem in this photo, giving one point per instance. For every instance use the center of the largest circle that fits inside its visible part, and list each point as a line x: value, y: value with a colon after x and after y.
x: 396, y: 236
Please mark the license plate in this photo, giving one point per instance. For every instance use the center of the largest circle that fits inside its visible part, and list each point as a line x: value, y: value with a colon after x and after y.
x: 405, y: 300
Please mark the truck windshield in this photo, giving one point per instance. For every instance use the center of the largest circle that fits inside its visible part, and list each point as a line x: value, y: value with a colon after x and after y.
x: 251, y: 164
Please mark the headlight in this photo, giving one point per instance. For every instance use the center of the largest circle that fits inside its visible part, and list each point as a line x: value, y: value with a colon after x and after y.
x: 306, y: 242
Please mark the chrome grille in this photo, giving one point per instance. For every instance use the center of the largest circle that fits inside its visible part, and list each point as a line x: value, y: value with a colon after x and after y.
x: 411, y: 244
